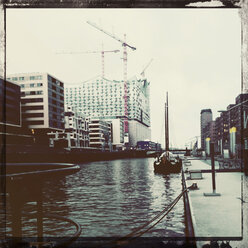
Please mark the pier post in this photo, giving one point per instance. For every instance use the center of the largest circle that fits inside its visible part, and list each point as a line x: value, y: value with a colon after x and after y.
x: 213, y: 172
x: 213, y: 166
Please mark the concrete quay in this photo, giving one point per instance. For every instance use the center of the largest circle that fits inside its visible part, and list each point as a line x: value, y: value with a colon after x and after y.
x: 218, y: 218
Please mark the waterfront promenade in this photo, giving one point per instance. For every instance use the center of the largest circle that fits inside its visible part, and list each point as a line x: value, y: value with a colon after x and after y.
x: 217, y: 217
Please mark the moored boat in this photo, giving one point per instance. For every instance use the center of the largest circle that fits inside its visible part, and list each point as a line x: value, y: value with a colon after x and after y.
x: 167, y: 163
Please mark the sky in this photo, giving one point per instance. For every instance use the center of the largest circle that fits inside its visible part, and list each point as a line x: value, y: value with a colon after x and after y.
x: 196, y: 56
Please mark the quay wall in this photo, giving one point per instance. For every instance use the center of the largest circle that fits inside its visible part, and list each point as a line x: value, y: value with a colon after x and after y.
x: 190, y: 234
x: 44, y: 155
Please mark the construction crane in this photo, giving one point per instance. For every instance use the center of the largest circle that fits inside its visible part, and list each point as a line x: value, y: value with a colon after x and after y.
x: 125, y: 45
x: 143, y: 72
x: 102, y: 55
x: 111, y: 35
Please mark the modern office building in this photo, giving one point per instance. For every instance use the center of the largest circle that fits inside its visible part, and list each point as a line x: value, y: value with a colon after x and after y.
x: 103, y: 98
x: 76, y: 133
x: 117, y: 133
x: 138, y: 132
x: 42, y: 103
x: 236, y: 114
x: 231, y: 131
x: 11, y: 131
x: 221, y: 133
x: 209, y: 133
x: 100, y: 133
x: 206, y: 117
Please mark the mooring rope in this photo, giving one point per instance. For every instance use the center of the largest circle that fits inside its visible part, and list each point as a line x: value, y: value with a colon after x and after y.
x: 135, y: 234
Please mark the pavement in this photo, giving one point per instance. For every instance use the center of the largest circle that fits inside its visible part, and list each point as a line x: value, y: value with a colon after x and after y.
x: 218, y: 217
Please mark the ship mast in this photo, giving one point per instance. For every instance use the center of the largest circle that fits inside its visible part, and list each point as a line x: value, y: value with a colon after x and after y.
x: 166, y: 125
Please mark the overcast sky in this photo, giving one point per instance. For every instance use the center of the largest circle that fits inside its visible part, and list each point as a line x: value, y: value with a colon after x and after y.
x: 196, y: 55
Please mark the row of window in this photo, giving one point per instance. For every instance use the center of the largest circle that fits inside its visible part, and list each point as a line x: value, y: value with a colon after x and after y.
x: 30, y: 100
x: 38, y: 122
x: 111, y: 84
x: 32, y: 85
x: 55, y: 88
x: 29, y: 115
x: 55, y: 102
x: 39, y: 77
x: 52, y: 80
x: 36, y: 107
x: 31, y: 93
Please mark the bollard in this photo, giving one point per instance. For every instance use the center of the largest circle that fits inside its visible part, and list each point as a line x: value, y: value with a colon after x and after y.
x: 213, y: 173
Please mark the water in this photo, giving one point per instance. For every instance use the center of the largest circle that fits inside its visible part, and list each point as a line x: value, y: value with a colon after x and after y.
x: 111, y: 198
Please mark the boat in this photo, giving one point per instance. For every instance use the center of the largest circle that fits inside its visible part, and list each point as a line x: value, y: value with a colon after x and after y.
x: 167, y: 163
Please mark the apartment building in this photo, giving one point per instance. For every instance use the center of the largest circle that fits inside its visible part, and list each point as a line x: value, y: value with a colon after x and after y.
x: 76, y: 133
x: 11, y: 130
x: 42, y: 103
x: 100, y: 133
x: 103, y: 98
x: 117, y: 133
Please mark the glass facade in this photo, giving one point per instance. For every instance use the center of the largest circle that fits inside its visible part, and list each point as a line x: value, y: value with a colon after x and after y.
x: 102, y: 98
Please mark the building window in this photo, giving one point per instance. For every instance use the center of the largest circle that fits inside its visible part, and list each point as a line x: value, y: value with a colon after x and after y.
x: 29, y: 100
x: 36, y: 107
x: 35, y: 122
x: 35, y: 77
x: 27, y: 115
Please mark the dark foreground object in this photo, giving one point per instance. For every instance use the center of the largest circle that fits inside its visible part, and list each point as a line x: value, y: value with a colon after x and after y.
x: 24, y: 183
x: 167, y: 167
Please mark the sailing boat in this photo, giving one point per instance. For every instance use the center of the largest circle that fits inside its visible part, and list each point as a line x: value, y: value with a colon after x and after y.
x: 167, y: 163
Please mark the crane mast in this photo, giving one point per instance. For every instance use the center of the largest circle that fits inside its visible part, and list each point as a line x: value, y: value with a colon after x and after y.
x: 125, y: 45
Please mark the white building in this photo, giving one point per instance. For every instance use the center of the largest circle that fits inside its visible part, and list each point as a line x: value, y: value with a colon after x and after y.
x: 117, y: 133
x: 42, y: 102
x: 100, y: 134
x: 76, y: 133
x: 138, y: 132
x: 102, y: 98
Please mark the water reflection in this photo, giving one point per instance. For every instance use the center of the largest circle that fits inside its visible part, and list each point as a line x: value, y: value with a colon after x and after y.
x: 115, y: 197
x: 110, y: 199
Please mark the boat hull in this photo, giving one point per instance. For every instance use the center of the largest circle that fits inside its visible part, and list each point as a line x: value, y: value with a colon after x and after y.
x: 168, y: 167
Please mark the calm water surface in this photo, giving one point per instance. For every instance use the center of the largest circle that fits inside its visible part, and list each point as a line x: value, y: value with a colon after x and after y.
x: 111, y: 198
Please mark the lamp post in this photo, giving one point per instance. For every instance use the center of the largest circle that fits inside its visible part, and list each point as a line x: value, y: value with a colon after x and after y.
x: 213, y: 172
